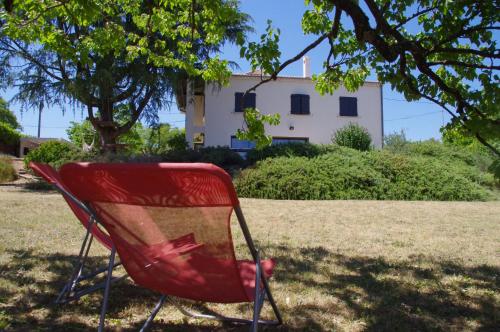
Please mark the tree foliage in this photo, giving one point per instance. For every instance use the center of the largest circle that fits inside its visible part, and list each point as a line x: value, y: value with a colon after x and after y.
x: 111, y: 56
x: 164, y: 138
x: 8, y: 125
x: 7, y: 116
x: 442, y: 51
x: 255, y: 131
x: 154, y: 140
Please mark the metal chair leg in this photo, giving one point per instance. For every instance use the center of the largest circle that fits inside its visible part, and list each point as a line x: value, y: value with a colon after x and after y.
x: 82, y: 256
x: 106, y: 289
x: 258, y: 294
x: 153, y: 313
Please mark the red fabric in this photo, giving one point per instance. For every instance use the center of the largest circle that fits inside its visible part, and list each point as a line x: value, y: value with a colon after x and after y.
x: 170, y: 224
x: 247, y: 273
x: 49, y: 174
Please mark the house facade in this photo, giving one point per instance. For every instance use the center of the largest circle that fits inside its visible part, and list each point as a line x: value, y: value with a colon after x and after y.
x: 26, y: 144
x: 213, y: 115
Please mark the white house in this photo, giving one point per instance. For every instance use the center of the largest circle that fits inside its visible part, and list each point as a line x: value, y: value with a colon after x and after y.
x: 213, y: 114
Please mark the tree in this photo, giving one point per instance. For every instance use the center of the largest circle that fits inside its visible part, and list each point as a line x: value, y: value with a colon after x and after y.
x: 7, y: 116
x: 157, y: 139
x: 8, y: 125
x: 83, y: 134
x: 128, y: 55
x: 163, y: 138
x: 442, y: 51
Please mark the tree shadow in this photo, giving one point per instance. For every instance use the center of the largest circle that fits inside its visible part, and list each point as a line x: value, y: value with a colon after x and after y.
x: 415, y: 294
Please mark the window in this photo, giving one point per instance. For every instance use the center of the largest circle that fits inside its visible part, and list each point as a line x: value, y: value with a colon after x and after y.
x: 300, y: 104
x: 241, y: 145
x: 287, y: 140
x: 248, y: 102
x: 348, y: 106
x: 198, y: 140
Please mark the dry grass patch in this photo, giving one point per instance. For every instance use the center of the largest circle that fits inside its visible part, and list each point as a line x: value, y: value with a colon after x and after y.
x: 342, y: 265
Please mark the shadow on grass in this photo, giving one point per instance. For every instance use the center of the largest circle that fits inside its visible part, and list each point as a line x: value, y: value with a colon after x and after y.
x: 416, y: 294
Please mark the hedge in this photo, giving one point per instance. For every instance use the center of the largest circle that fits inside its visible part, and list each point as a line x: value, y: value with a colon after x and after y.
x: 55, y: 153
x: 350, y: 174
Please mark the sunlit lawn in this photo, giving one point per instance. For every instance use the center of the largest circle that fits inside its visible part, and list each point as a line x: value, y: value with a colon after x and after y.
x: 342, y: 265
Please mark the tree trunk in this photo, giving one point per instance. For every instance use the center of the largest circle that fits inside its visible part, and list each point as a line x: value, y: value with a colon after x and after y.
x: 106, y: 127
x: 108, y: 139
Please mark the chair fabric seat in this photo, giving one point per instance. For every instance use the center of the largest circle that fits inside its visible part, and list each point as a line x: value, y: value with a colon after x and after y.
x: 49, y: 174
x: 171, y: 225
x: 247, y: 273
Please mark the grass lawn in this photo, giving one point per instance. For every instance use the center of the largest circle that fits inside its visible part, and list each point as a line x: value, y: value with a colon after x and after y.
x: 342, y: 266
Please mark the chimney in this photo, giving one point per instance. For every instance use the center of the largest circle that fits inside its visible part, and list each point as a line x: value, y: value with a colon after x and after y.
x: 306, y: 67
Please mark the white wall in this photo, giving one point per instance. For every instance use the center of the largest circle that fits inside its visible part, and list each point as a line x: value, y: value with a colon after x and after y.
x: 221, y: 122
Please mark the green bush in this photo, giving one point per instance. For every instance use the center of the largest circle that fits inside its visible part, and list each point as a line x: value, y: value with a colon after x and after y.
x: 287, y: 150
x: 223, y: 157
x: 353, y: 136
x: 220, y: 156
x: 481, y: 159
x: 396, y: 142
x: 55, y: 153
x: 8, y: 135
x: 7, y: 171
x: 350, y: 174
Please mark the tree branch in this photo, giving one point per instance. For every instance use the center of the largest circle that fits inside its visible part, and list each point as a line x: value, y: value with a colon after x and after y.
x: 462, y: 64
x: 27, y: 56
x: 136, y: 112
x: 417, y: 14
x: 485, y: 54
x: 273, y: 76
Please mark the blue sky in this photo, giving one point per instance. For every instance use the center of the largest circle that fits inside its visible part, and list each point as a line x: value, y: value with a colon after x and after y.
x: 420, y: 120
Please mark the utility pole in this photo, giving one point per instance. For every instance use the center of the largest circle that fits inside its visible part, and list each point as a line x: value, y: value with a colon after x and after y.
x: 40, y: 108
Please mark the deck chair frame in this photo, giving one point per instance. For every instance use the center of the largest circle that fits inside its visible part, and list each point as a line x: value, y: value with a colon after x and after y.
x: 71, y: 291
x: 260, y: 294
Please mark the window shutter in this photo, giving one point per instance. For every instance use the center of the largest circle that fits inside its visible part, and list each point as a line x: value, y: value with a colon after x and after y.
x: 295, y: 100
x: 348, y: 106
x: 237, y: 101
x: 304, y: 104
x: 250, y: 100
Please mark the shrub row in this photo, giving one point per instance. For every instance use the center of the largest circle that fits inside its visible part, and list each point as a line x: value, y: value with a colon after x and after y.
x: 350, y: 174
x: 223, y: 157
x: 56, y: 153
x: 289, y: 150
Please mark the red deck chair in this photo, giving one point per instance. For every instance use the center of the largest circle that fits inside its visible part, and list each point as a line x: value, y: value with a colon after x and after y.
x: 170, y: 224
x: 71, y: 291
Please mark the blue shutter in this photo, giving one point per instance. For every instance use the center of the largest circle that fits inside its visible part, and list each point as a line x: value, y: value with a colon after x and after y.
x: 295, y: 101
x: 304, y: 104
x: 250, y: 100
x: 348, y: 106
x: 237, y: 102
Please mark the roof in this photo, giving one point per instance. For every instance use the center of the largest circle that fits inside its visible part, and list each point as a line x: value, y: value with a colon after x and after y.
x: 40, y: 140
x: 257, y: 73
